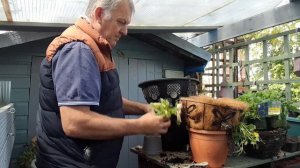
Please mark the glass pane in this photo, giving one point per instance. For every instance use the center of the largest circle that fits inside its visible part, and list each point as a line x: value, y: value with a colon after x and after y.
x: 276, y: 70
x: 275, y: 47
x: 255, y: 51
x: 2, y: 14
x: 256, y: 72
x: 54, y: 11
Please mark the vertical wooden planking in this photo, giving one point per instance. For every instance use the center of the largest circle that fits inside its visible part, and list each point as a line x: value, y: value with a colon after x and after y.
x: 34, y: 96
x: 133, y: 95
x: 142, y: 76
x: 122, y: 63
x: 150, y: 70
x: 123, y: 75
x: 158, y: 70
x: 133, y: 79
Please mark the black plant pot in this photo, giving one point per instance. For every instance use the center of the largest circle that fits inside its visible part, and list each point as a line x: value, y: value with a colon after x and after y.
x: 177, y: 137
x: 261, y: 124
x: 272, y: 142
x: 291, y: 144
x: 274, y: 122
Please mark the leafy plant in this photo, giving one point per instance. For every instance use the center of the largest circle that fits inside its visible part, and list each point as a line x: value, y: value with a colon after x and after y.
x: 244, y: 134
x: 24, y: 161
x: 165, y: 109
x: 254, y: 99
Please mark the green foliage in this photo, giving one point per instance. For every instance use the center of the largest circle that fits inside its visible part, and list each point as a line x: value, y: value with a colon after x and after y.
x: 254, y: 99
x: 243, y: 135
x: 295, y: 90
x: 273, y: 30
x: 164, y: 108
x: 275, y: 48
x: 24, y: 161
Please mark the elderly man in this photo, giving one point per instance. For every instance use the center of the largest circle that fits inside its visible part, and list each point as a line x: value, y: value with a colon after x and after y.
x: 81, y: 120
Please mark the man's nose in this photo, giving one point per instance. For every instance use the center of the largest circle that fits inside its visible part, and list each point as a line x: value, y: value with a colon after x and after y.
x: 124, y: 30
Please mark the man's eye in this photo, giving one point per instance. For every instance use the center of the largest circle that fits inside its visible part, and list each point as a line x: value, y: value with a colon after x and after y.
x: 122, y: 22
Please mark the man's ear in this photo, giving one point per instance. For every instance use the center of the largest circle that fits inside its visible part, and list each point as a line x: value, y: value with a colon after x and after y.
x: 99, y: 14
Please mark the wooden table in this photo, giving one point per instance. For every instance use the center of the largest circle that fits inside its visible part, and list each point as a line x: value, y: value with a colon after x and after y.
x: 168, y: 159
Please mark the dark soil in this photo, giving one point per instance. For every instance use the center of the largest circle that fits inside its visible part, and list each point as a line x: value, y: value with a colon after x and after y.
x: 171, y: 158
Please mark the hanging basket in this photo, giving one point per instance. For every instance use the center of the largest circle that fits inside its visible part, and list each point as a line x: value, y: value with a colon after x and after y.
x: 169, y: 88
x: 270, y: 145
x: 206, y: 113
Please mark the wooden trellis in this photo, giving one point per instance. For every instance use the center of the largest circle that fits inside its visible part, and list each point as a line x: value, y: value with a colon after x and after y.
x: 226, y: 63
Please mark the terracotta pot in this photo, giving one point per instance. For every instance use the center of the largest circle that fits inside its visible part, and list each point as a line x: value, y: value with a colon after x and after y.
x: 209, y: 146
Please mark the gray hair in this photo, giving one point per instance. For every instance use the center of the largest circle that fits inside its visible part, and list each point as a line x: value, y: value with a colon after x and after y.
x: 107, y: 5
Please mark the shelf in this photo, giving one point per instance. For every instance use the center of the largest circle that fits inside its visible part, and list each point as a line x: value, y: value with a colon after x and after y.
x: 233, y: 162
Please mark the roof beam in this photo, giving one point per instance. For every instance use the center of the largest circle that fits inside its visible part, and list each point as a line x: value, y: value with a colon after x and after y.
x: 7, y: 11
x: 170, y: 29
x: 13, y: 38
x: 33, y: 26
x: 184, y: 45
x: 55, y: 27
x: 277, y: 16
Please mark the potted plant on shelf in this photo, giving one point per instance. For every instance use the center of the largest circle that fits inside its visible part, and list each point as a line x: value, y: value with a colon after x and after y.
x: 211, y: 122
x: 270, y: 107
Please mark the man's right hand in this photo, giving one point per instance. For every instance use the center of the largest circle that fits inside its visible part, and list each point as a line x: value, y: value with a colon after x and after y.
x: 154, y: 124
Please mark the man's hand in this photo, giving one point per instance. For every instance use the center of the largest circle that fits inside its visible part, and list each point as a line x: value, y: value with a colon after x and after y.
x: 153, y: 124
x: 148, y: 109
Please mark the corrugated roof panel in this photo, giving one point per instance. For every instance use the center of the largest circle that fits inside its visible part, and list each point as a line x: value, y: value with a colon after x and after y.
x: 236, y: 11
x: 148, y: 12
x: 54, y: 11
x: 173, y: 12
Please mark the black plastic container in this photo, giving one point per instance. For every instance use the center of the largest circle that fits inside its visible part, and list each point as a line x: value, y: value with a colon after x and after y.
x: 272, y: 142
x: 177, y: 137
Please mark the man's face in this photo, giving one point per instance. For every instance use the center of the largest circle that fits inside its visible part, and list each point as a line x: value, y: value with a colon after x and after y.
x: 113, y: 28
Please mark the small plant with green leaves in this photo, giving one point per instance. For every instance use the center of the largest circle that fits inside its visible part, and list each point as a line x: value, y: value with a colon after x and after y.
x: 24, y: 161
x: 244, y: 134
x: 165, y: 109
x: 254, y: 99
